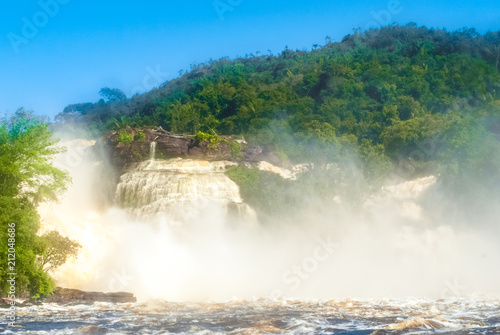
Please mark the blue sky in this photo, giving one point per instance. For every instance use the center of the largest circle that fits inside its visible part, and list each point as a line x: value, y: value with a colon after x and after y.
x: 57, y: 52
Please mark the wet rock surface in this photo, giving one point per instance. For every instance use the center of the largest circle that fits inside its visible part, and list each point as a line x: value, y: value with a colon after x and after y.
x: 67, y: 295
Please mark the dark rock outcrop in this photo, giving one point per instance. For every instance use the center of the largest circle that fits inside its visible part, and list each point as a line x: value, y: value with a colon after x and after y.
x: 169, y: 145
x: 6, y: 303
x: 68, y: 295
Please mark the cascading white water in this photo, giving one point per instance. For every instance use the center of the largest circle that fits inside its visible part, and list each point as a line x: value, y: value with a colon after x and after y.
x: 175, y: 187
x: 152, y: 150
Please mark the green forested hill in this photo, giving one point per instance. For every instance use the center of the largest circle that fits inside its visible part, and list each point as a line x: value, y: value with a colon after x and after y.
x: 396, y: 101
x: 425, y: 99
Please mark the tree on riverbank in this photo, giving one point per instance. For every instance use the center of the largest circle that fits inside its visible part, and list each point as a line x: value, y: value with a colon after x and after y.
x: 27, y: 177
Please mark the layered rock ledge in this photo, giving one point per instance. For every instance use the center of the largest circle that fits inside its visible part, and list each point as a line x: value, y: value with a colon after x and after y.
x: 170, y: 145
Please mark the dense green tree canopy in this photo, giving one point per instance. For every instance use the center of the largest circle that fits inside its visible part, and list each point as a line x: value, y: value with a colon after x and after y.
x: 27, y: 177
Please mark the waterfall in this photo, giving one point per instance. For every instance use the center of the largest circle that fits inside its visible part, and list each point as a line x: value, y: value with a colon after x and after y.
x: 176, y: 187
x: 152, y: 150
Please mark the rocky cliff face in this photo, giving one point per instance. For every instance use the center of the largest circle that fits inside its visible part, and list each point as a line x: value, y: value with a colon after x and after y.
x: 169, y: 146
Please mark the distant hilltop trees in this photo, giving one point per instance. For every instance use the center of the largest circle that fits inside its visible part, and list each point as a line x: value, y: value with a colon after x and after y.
x: 415, y: 97
x: 216, y: 92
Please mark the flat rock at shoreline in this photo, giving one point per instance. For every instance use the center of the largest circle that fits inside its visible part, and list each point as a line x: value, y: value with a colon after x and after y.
x: 68, y: 295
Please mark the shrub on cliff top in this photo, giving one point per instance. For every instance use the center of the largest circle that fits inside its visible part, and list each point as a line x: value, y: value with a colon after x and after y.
x: 124, y: 137
x: 211, y: 140
x: 140, y: 137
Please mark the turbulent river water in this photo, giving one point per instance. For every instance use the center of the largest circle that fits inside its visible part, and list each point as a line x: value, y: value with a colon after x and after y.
x: 256, y: 317
x: 178, y: 230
